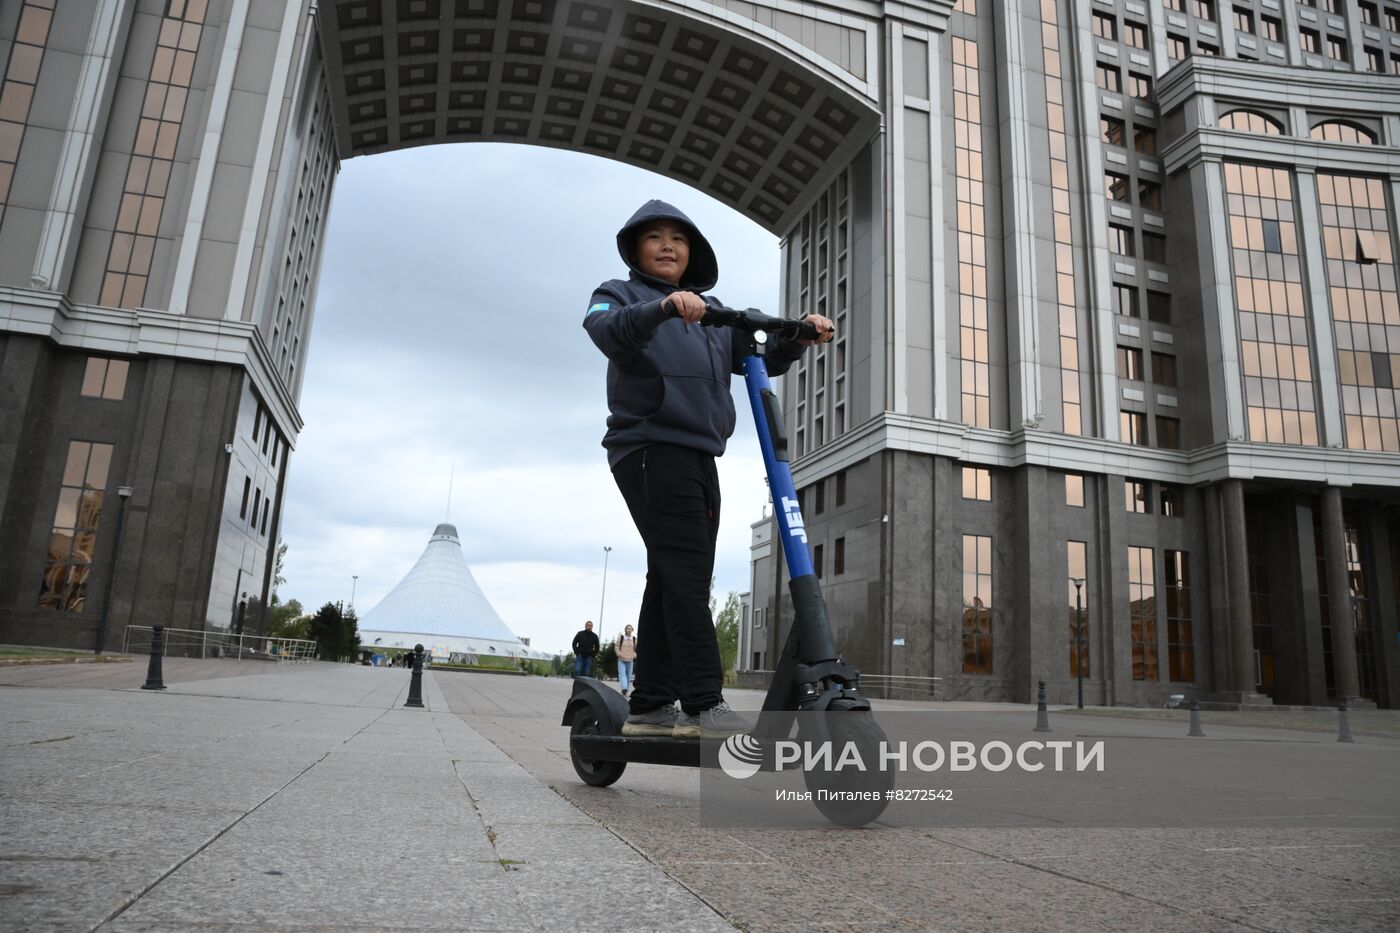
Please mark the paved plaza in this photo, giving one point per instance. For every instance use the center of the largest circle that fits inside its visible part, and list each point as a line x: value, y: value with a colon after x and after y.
x: 254, y: 797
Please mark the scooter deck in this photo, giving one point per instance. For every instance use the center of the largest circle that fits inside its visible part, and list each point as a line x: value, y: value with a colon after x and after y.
x: 650, y: 750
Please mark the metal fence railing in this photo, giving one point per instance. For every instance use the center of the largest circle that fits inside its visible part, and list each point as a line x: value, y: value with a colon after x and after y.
x: 879, y: 686
x: 196, y: 643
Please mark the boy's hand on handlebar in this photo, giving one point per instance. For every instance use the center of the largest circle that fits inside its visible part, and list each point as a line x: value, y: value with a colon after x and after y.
x: 825, y: 329
x: 688, y: 306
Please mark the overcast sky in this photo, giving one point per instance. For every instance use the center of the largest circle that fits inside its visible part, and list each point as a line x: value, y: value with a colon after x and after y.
x: 447, y: 338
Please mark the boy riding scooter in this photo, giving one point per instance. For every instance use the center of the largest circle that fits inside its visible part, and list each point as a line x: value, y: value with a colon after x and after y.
x: 671, y: 414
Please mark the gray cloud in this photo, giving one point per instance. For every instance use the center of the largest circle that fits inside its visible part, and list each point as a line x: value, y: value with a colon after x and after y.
x: 448, y: 332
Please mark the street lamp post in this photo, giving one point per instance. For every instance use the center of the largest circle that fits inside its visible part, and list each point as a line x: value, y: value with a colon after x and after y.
x: 354, y: 581
x: 123, y: 493
x: 602, y: 600
x: 1079, y: 637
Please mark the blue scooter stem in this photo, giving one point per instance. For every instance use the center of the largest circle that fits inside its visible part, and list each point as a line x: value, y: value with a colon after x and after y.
x: 814, y: 643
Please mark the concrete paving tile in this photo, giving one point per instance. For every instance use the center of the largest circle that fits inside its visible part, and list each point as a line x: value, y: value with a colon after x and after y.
x: 766, y: 895
x: 534, y: 844
x: 528, y: 804
x: 434, y: 890
x: 1168, y: 876
x: 1380, y: 914
x: 36, y: 829
x: 575, y: 896
x: 71, y: 893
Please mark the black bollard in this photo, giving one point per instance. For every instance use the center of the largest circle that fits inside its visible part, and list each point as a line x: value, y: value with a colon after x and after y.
x: 1042, y: 716
x: 1195, y: 726
x: 154, y: 677
x: 1343, y: 725
x: 415, y: 683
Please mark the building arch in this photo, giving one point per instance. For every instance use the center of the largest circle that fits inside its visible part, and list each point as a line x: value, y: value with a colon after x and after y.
x: 748, y: 115
x: 1343, y: 131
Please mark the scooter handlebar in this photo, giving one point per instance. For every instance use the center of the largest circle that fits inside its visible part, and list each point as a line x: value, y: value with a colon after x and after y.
x: 751, y: 320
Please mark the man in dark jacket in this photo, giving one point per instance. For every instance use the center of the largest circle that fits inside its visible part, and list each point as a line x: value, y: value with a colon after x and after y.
x: 670, y: 416
x: 585, y: 647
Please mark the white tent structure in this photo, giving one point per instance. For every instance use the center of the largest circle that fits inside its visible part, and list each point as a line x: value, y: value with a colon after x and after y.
x: 439, y: 605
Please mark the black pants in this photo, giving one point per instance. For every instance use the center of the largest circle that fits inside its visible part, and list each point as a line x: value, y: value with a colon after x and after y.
x: 673, y: 495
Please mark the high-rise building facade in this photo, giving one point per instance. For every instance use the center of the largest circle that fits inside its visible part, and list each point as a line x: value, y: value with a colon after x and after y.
x: 1150, y: 437
x: 1114, y: 285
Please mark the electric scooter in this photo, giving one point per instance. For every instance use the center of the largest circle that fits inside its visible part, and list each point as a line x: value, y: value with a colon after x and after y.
x: 809, y: 677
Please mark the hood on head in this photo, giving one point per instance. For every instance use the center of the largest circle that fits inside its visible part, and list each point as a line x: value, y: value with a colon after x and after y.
x: 701, y: 273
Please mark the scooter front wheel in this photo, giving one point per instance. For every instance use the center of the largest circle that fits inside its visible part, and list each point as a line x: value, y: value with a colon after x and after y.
x: 595, y: 773
x: 854, y: 797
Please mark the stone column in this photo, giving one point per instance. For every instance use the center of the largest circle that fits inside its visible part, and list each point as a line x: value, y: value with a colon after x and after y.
x: 1219, y: 591
x: 1242, y: 675
x: 1339, y: 597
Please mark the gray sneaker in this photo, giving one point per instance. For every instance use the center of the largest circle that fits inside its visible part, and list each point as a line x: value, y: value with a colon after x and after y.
x: 660, y: 721
x: 717, y: 722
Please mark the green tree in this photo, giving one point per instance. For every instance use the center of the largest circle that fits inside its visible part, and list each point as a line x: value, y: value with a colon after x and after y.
x: 284, y: 620
x: 605, y: 661
x: 727, y: 631
x: 326, y: 629
x: 349, y: 636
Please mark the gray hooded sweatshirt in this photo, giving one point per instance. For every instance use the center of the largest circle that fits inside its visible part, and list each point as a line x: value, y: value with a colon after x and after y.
x: 668, y: 381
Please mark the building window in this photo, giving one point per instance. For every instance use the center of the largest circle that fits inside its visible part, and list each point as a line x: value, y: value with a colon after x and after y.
x: 153, y: 154
x: 977, y: 604
x: 1336, y: 48
x: 1375, y: 59
x: 1273, y: 28
x: 1149, y: 195
x: 1142, y: 612
x: 1133, y: 427
x: 841, y: 489
x: 1203, y: 9
x: 1120, y: 240
x: 1076, y: 561
x: 1074, y: 490
x: 1181, y: 648
x: 257, y: 424
x: 1170, y: 499
x: 1337, y: 131
x: 1105, y: 26
x: 247, y: 488
x: 1130, y: 363
x: 1369, y: 12
x: 1364, y: 296
x: 819, y: 488
x: 1309, y: 40
x: 1164, y: 369
x: 1250, y: 121
x: 31, y: 37
x: 1392, y: 18
x: 977, y: 484
x: 1139, y: 85
x: 1135, y: 496
x: 1244, y: 20
x: 1125, y: 299
x: 1134, y: 34
x: 1274, y: 351
x: 817, y: 555
x: 257, y: 504
x: 1154, y: 247
x: 1159, y: 307
x: 1177, y: 47
x: 267, y: 507
x: 1112, y: 130
x: 974, y: 337
x: 105, y: 379
x: 1145, y: 140
x: 1168, y: 433
x: 838, y: 557
x: 1116, y: 186
x: 1108, y: 78
x: 73, y: 538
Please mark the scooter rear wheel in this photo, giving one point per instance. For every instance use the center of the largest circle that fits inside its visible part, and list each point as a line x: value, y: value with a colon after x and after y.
x: 595, y: 773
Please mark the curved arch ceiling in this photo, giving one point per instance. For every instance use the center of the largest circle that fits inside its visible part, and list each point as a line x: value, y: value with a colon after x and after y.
x: 723, y: 112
